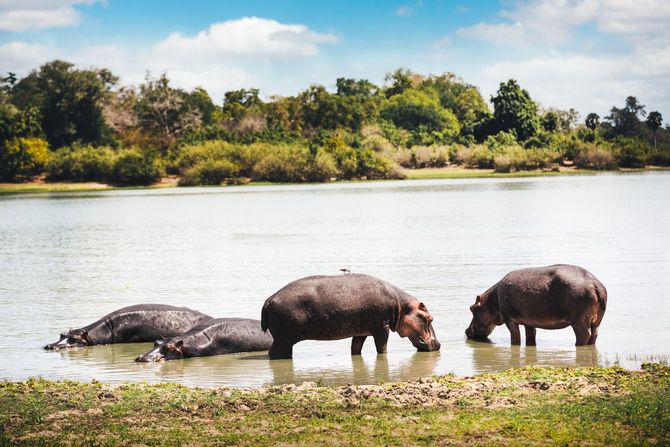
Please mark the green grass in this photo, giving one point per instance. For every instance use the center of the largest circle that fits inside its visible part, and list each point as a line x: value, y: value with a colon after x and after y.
x: 410, y: 174
x: 543, y: 406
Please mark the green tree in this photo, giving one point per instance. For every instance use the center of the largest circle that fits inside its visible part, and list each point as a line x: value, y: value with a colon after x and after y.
x: 199, y: 100
x: 513, y: 109
x: 626, y: 121
x: 416, y: 110
x: 23, y: 158
x: 70, y: 101
x: 654, y: 121
x: 355, y: 87
x: 237, y: 103
x: 592, y: 121
x: 401, y: 79
x: 551, y: 122
x: 164, y: 112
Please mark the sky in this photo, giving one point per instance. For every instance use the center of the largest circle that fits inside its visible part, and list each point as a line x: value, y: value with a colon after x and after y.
x: 585, y: 54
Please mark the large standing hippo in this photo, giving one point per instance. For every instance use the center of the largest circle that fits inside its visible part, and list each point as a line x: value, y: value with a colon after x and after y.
x: 138, y: 323
x: 213, y: 337
x: 336, y: 307
x: 550, y: 297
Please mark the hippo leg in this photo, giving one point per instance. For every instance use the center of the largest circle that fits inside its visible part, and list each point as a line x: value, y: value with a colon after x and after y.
x: 594, y: 335
x: 281, y: 350
x: 514, y: 332
x: 582, y: 332
x: 381, y: 339
x: 357, y: 344
x: 530, y: 335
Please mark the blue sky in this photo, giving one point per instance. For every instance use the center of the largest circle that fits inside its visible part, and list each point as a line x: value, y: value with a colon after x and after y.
x: 587, y: 54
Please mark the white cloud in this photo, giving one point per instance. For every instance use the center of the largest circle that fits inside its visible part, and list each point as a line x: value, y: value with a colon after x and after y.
x: 579, y: 78
x: 227, y: 55
x: 498, y: 34
x: 403, y: 11
x: 20, y: 57
x: 29, y: 15
x: 408, y: 10
x: 587, y: 83
x: 552, y: 21
x: 245, y: 37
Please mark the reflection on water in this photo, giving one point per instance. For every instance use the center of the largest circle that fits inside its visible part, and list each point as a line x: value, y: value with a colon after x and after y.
x: 67, y: 259
x: 489, y: 357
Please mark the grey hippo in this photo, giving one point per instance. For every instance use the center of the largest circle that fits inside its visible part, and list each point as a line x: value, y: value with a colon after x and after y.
x: 552, y: 297
x: 213, y: 337
x: 138, y: 323
x: 342, y: 306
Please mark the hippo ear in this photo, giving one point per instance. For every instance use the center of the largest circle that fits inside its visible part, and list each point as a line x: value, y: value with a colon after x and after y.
x: 179, y: 343
x: 84, y: 333
x: 478, y: 299
x: 423, y: 307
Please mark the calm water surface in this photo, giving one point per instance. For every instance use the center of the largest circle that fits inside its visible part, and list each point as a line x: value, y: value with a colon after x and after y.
x: 68, y: 259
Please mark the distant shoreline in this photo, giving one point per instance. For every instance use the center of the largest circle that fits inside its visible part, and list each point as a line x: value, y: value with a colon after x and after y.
x: 448, y: 172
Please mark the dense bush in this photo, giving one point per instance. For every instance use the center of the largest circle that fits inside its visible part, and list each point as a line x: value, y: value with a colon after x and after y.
x: 592, y: 156
x: 516, y: 158
x: 292, y: 163
x: 478, y: 156
x: 82, y: 164
x: 135, y: 167
x: 632, y: 152
x: 23, y: 158
x: 434, y: 156
x: 660, y: 156
x: 209, y: 172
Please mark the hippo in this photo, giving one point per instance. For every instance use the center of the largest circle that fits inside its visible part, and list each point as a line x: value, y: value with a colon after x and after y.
x: 138, y: 323
x: 551, y: 297
x: 342, y: 306
x: 213, y: 337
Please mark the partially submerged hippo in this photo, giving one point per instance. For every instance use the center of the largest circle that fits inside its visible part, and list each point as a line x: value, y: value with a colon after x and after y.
x: 138, y: 323
x: 336, y: 307
x: 213, y: 337
x: 551, y: 297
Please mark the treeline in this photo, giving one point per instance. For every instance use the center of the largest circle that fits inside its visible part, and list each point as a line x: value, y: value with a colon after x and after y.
x: 73, y: 124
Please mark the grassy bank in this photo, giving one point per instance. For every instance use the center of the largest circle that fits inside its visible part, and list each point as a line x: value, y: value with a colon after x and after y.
x: 41, y: 186
x: 544, y: 406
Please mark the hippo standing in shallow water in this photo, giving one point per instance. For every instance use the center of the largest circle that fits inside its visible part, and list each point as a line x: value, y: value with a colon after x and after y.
x: 550, y: 297
x: 139, y: 323
x: 213, y: 337
x: 336, y: 307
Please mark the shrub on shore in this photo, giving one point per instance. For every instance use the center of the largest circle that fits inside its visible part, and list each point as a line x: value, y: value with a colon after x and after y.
x: 134, y: 167
x: 594, y: 157
x: 23, y: 158
x: 82, y: 164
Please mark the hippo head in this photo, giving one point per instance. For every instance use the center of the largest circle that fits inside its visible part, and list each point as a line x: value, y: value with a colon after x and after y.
x: 415, y: 322
x: 163, y: 350
x: 484, y: 319
x: 74, y: 338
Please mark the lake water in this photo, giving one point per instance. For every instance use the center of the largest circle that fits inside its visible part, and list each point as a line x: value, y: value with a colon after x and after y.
x: 67, y: 259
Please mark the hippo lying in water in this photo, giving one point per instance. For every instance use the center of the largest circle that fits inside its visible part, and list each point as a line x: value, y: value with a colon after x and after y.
x: 213, y: 337
x: 336, y: 307
x: 139, y: 323
x: 550, y: 297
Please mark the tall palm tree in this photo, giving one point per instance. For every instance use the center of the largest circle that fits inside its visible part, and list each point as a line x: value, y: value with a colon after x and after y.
x: 654, y: 121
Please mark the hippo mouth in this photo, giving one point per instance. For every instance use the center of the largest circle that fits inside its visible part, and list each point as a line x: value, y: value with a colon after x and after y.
x: 426, y: 345
x: 63, y: 344
x: 150, y: 357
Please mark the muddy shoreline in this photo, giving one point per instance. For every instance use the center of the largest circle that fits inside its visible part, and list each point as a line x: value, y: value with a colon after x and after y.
x: 532, y: 405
